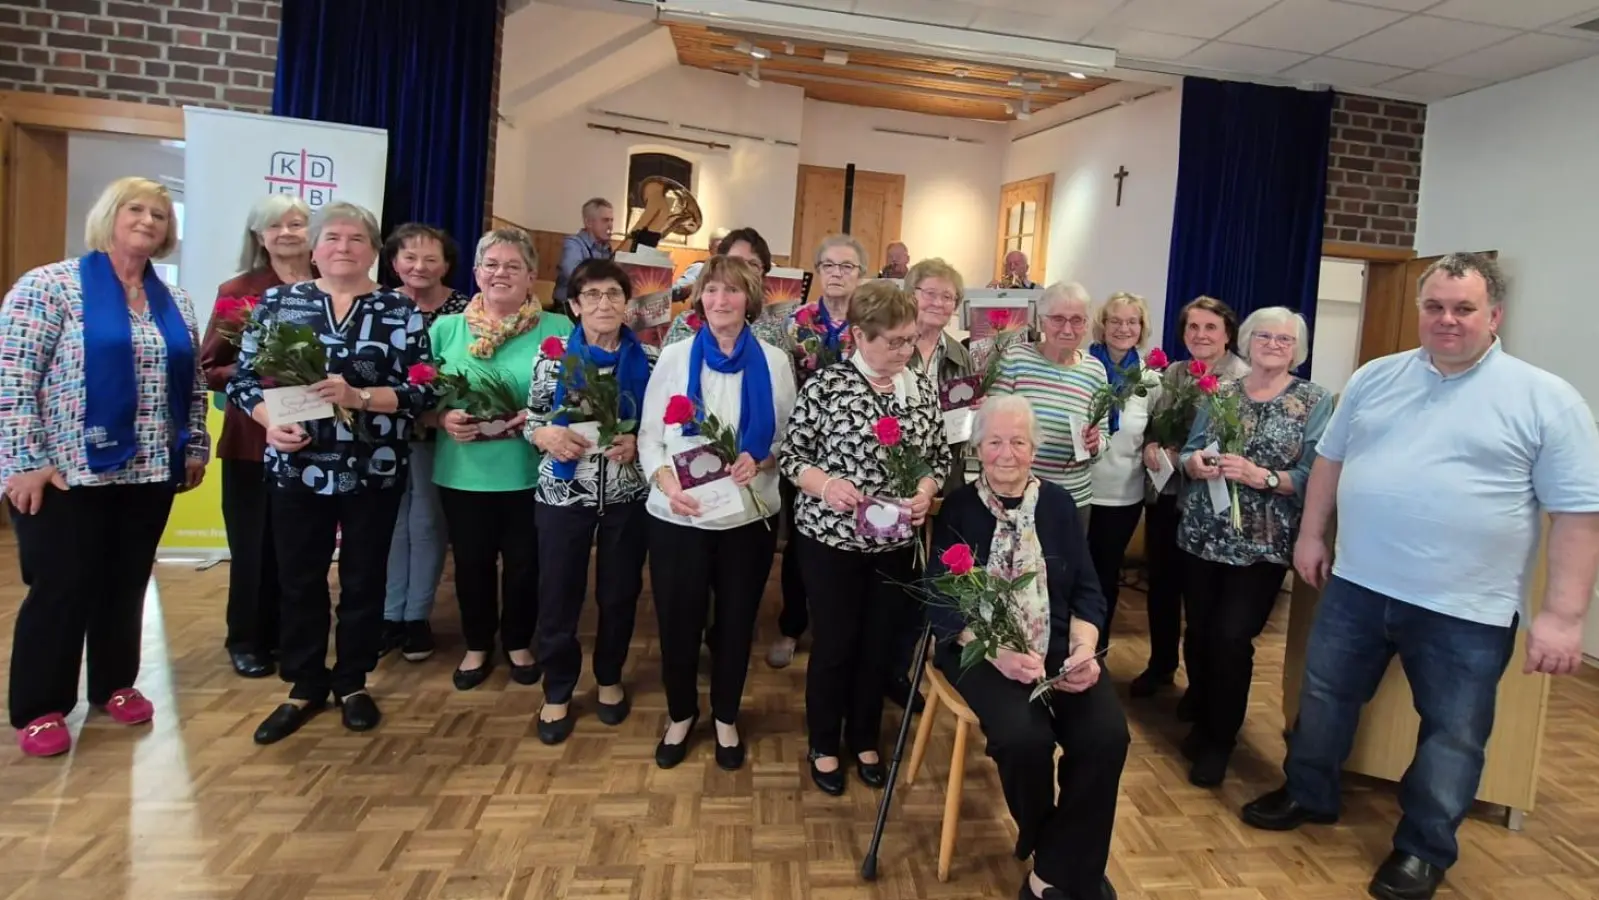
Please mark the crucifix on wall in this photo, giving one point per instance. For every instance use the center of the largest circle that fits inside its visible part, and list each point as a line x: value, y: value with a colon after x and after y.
x: 1121, y: 178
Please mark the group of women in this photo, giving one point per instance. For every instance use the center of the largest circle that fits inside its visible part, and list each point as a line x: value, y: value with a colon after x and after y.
x: 103, y: 384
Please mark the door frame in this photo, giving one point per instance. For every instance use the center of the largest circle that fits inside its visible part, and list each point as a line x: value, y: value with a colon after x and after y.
x: 797, y: 254
x: 1035, y: 260
x: 1382, y: 307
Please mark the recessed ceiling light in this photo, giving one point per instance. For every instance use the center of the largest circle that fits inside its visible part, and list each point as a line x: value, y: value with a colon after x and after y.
x: 835, y: 57
x: 760, y: 53
x: 1078, y: 75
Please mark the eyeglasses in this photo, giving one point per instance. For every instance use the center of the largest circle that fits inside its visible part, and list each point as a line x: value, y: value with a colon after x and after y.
x: 931, y: 295
x: 896, y: 344
x: 1059, y: 322
x: 512, y: 269
x: 613, y: 297
x: 1123, y: 323
x: 1281, y: 340
x: 839, y: 268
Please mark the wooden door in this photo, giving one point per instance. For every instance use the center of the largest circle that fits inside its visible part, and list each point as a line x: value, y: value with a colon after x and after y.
x: 36, y: 203
x: 875, y: 215
x: 1388, y: 314
x: 1024, y: 223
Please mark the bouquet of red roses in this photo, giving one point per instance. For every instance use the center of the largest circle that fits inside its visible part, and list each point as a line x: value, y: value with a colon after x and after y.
x: 721, y: 439
x: 1169, y: 425
x: 1006, y: 332
x: 905, y: 468
x: 1226, y: 420
x: 231, y: 317
x: 591, y: 396
x: 984, y: 600
x: 810, y: 339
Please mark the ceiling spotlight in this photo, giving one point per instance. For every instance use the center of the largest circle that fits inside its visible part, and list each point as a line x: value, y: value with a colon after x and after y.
x: 835, y: 57
x: 962, y: 73
x: 1077, y: 75
x: 760, y: 53
x: 788, y: 48
x: 1015, y: 82
x: 1026, y: 112
x: 742, y: 48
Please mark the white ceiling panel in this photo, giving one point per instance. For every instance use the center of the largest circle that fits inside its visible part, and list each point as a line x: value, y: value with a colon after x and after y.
x: 1512, y: 13
x: 1342, y: 72
x: 1130, y: 42
x: 934, y: 12
x: 1225, y: 57
x: 1071, y: 26
x: 1401, y: 5
x: 1421, y: 42
x: 1432, y: 85
x: 1193, y: 18
x: 1521, y: 55
x: 1311, y: 26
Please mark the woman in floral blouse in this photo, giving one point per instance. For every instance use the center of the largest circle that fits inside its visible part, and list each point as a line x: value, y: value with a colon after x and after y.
x: 1233, y: 573
x: 835, y: 451
x: 486, y: 473
x: 341, y: 475
x: 743, y: 243
x: 104, y: 412
x: 422, y: 257
x: 589, y: 495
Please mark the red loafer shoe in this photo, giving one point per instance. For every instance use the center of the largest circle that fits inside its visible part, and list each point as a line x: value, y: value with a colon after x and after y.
x: 129, y: 707
x: 45, y: 736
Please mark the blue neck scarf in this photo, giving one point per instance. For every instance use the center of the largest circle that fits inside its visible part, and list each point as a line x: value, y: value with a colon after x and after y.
x: 1116, y: 374
x: 110, y: 379
x: 632, y: 376
x: 830, y: 330
x: 757, y: 420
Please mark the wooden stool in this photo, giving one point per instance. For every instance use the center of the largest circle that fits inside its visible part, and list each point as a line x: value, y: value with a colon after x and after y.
x: 941, y: 693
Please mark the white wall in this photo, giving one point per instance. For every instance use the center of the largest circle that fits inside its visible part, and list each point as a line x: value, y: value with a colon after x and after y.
x: 1091, y: 241
x: 1509, y: 168
x: 94, y: 161
x: 951, y: 187
x: 1336, y: 340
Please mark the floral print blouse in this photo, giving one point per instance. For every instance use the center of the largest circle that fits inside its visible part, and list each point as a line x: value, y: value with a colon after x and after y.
x: 1280, y: 435
x: 42, y: 393
x: 381, y: 337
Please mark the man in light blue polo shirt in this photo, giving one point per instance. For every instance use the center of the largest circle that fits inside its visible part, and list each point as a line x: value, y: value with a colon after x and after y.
x: 1442, y: 461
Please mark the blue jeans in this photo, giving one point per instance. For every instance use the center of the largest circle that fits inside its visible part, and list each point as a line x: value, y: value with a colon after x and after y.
x: 416, y: 553
x: 1453, y: 667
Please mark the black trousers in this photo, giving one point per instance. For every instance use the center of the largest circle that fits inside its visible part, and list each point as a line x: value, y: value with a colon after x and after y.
x: 1068, y: 837
x: 305, y: 527
x: 1227, y: 609
x: 859, y: 606
x: 87, y: 553
x: 688, y: 566
x: 485, y: 528
x: 1110, y: 528
x: 794, y: 618
x: 1166, y: 578
x: 253, y: 568
x: 620, y: 538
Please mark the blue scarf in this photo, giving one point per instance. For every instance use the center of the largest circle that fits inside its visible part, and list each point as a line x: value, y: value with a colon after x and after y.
x: 757, y: 420
x: 632, y: 376
x: 830, y: 331
x: 110, y: 379
x: 1116, y: 374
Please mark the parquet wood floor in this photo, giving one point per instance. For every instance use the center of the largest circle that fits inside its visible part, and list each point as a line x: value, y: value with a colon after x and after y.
x: 454, y: 798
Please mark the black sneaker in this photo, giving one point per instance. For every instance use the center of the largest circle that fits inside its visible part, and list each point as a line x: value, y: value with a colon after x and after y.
x: 393, y: 637
x: 417, y: 642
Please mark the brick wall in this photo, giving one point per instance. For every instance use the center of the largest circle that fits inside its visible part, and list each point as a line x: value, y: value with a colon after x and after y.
x: 216, y: 53
x: 1374, y: 171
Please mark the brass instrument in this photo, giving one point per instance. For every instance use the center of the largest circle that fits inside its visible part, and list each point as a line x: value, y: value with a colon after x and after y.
x: 669, y: 208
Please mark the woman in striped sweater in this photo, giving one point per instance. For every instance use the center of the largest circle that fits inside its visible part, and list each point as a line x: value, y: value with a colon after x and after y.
x: 1059, y: 377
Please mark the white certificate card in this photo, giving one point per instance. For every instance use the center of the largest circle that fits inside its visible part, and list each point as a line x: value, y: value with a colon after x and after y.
x: 1163, y: 472
x: 1220, y: 501
x: 718, y: 499
x: 1079, y: 448
x: 958, y: 424
x: 287, y: 405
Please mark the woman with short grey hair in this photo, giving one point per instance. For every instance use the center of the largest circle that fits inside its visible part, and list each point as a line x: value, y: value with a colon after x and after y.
x: 276, y: 251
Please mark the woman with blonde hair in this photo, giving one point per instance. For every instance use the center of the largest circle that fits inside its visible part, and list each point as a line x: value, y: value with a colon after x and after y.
x: 1121, y: 331
x: 104, y: 407
x: 275, y: 252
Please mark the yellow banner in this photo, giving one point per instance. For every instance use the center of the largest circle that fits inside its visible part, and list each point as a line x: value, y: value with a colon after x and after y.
x: 195, y: 526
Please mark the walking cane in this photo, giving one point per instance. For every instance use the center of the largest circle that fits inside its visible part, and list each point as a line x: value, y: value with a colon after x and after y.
x: 869, y: 866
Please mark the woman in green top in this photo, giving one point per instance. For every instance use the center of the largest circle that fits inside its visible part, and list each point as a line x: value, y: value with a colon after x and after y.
x: 486, y: 473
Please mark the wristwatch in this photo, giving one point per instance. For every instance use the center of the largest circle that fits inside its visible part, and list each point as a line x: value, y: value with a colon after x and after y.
x: 1272, y: 481
x: 366, y: 400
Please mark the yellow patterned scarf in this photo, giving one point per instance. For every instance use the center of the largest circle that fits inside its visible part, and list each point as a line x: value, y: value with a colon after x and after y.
x: 488, y: 334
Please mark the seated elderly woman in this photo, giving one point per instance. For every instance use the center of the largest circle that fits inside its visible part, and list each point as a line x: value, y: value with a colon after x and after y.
x: 1234, y: 564
x: 1014, y: 522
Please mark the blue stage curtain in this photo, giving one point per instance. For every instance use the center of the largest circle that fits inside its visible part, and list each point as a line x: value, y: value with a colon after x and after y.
x: 1251, y: 191
x: 422, y: 69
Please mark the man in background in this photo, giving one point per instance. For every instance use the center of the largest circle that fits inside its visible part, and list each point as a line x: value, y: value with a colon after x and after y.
x: 593, y: 242
x: 1015, y: 273
x: 899, y: 262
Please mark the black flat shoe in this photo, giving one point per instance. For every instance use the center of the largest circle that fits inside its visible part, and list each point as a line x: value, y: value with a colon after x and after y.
x: 528, y: 674
x: 1405, y: 877
x: 251, y: 665
x: 1148, y: 684
x: 360, y: 712
x: 552, y: 733
x: 467, y: 679
x: 286, y: 720
x: 614, y: 714
x: 1277, y: 811
x: 831, y: 783
x: 730, y: 759
x: 873, y: 775
x: 670, y: 756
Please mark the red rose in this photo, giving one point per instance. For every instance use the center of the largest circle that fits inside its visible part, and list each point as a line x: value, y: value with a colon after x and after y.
x: 999, y: 319
x: 235, y: 308
x: 1197, y: 368
x: 692, y: 320
x: 679, y: 410
x: 1157, y: 359
x: 421, y: 373
x: 553, y: 347
x: 1208, y: 384
x: 805, y: 316
x: 888, y: 433
x: 958, y: 558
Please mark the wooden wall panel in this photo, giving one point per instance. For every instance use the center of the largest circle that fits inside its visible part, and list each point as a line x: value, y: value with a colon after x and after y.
x: 36, y: 221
